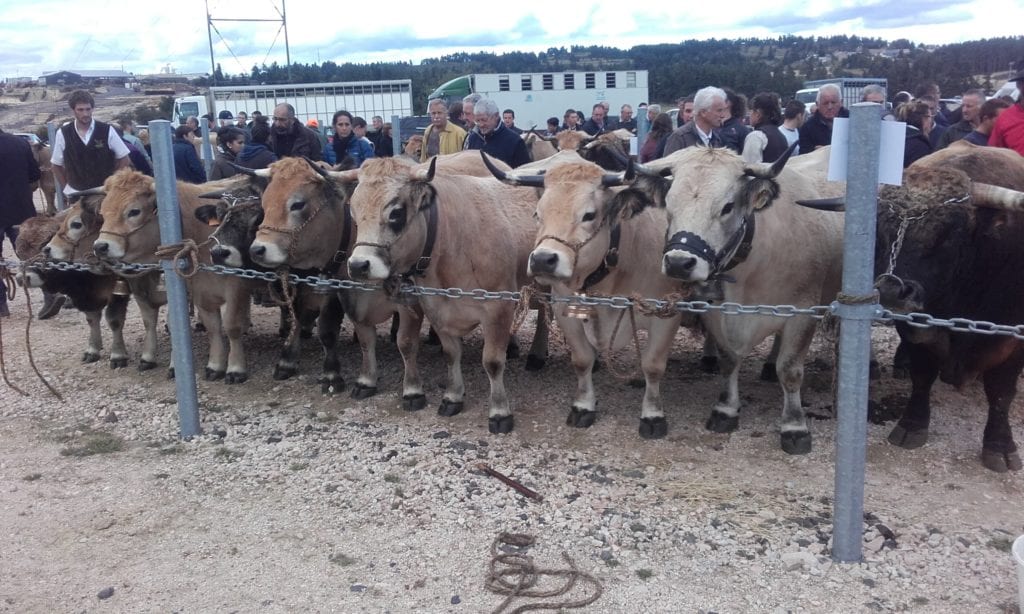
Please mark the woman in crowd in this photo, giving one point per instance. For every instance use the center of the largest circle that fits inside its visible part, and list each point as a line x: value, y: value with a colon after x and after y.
x: 256, y: 154
x: 654, y: 145
x: 230, y: 142
x: 920, y: 120
x: 187, y: 166
x: 766, y: 143
x: 345, y: 142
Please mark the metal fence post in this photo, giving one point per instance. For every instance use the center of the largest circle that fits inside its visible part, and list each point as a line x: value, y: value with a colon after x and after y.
x: 642, y: 128
x: 204, y: 128
x: 396, y: 135
x: 855, y: 330
x: 177, y: 297
x: 51, y: 130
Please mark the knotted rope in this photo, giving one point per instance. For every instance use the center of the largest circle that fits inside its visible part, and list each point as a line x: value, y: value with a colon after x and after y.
x: 525, y: 575
x: 286, y: 298
x: 185, y: 250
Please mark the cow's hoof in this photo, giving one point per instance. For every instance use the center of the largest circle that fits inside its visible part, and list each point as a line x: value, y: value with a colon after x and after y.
x: 900, y: 373
x: 284, y: 372
x: 512, y: 351
x: 332, y: 386
x: 414, y: 402
x: 146, y: 365
x: 119, y: 363
x: 213, y: 375
x: 768, y: 373
x: 909, y: 440
x: 90, y: 357
x: 500, y: 425
x: 796, y: 442
x: 720, y: 423
x: 236, y: 378
x: 535, y: 363
x: 170, y: 373
x: 1000, y: 462
x: 581, y: 418
x: 874, y: 371
x: 449, y: 408
x: 709, y: 364
x: 361, y: 391
x: 653, y: 428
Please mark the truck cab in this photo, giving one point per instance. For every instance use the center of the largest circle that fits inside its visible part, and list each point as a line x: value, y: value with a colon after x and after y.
x: 188, y: 106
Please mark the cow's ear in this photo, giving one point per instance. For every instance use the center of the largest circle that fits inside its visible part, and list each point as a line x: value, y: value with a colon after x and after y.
x: 759, y: 193
x: 90, y: 204
x: 420, y: 195
x: 207, y: 214
x: 628, y: 203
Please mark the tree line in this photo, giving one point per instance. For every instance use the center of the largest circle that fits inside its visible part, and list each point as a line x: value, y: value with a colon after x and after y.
x: 747, y: 65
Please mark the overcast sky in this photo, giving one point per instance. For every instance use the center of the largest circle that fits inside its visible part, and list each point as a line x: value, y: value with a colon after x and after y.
x: 46, y: 35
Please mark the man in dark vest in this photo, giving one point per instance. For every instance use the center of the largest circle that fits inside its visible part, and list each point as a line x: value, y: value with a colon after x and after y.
x: 85, y: 153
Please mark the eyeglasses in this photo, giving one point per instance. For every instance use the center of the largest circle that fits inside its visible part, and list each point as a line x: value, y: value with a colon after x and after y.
x: 281, y: 119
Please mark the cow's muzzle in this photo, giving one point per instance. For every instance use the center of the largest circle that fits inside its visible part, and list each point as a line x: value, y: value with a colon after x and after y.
x: 678, y: 264
x: 900, y: 295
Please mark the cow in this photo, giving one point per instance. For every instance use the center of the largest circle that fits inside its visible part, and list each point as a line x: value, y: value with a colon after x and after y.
x: 583, y: 247
x: 41, y: 151
x: 130, y: 233
x: 446, y: 230
x: 609, y: 150
x: 92, y: 294
x: 736, y: 226
x: 960, y: 257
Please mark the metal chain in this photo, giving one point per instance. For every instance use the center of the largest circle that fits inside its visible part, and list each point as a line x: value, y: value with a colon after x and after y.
x: 897, y: 245
x: 326, y: 285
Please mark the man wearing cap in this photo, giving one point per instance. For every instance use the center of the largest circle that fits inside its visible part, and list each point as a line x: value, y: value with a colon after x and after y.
x: 225, y: 118
x: 314, y: 125
x: 1008, y: 130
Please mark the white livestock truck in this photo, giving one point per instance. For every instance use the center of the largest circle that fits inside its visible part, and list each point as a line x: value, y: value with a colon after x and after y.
x: 536, y: 96
x: 311, y: 100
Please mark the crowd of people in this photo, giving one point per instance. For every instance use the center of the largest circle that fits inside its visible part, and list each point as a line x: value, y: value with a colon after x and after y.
x: 87, y: 151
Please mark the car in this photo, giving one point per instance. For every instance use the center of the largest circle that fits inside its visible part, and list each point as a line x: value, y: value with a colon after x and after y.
x: 30, y: 137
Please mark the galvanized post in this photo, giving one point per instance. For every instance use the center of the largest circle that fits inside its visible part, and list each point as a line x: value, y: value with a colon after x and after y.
x: 51, y: 130
x: 177, y: 297
x: 855, y: 330
x: 396, y: 135
x: 642, y: 128
x: 204, y: 128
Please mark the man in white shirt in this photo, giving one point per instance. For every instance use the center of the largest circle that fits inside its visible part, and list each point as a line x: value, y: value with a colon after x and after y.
x: 86, y: 151
x: 792, y: 118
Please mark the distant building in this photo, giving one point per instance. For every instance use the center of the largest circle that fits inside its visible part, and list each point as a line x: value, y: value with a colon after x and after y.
x: 75, y: 77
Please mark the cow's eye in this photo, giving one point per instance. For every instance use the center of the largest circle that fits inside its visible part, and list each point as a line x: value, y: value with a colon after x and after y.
x: 298, y: 205
x: 134, y: 212
x: 727, y: 209
x: 589, y: 216
x: 396, y: 219
x: 536, y: 215
x: 76, y: 225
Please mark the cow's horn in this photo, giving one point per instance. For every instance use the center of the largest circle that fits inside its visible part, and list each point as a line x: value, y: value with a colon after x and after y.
x: 996, y: 197
x: 89, y: 192
x: 770, y: 171
x: 316, y: 167
x: 825, y: 204
x: 426, y: 175
x: 644, y: 169
x: 262, y: 172
x: 534, y: 181
x: 215, y: 194
x: 349, y: 176
x: 620, y: 157
x: 625, y: 178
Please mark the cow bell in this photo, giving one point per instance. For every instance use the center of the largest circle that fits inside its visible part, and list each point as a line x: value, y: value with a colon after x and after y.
x: 121, y: 288
x: 578, y: 310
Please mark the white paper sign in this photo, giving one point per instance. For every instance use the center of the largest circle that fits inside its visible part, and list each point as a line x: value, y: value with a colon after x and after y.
x: 890, y: 155
x: 632, y: 146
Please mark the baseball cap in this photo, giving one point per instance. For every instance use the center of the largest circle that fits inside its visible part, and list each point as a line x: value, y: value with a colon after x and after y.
x: 313, y: 123
x: 225, y: 114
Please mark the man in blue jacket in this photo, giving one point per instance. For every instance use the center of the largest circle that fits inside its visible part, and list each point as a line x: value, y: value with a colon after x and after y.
x: 493, y: 137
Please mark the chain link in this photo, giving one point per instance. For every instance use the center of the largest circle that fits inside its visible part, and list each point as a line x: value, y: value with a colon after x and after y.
x: 320, y: 284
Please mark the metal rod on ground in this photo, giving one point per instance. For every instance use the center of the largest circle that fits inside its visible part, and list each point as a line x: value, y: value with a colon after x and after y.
x: 51, y: 130
x: 177, y: 296
x: 396, y: 135
x: 855, y: 331
x: 204, y: 127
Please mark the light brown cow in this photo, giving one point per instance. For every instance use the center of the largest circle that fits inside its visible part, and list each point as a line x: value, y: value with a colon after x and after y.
x: 46, y: 181
x: 584, y: 247
x: 130, y: 233
x: 482, y: 235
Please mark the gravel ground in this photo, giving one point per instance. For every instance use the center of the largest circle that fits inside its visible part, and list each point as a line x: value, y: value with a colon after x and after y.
x: 296, y: 502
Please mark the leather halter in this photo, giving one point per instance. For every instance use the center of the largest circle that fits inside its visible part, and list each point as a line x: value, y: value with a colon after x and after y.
x: 609, y: 262
x: 341, y: 255
x: 736, y: 249
x: 419, y: 268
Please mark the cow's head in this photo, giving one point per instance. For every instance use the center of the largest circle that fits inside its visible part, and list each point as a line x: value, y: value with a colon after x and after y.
x: 711, y: 196
x: 236, y: 222
x: 130, y: 227
x: 33, y: 234
x: 79, y: 227
x: 303, y: 216
x: 389, y: 207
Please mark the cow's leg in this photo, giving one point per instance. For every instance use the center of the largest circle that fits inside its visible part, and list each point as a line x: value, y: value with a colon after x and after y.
x: 725, y: 416
x: 95, y: 346
x: 150, y: 318
x: 539, y: 348
x: 497, y: 331
x: 216, y: 364
x: 768, y: 369
x: 660, y: 337
x: 328, y: 326
x: 410, y: 321
x: 366, y: 383
x: 999, y: 451
x: 288, y: 364
x: 709, y: 353
x: 912, y: 429
x: 451, y: 402
x: 583, y: 355
x: 235, y: 318
x: 795, y: 340
x: 115, y: 313
x: 284, y: 325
